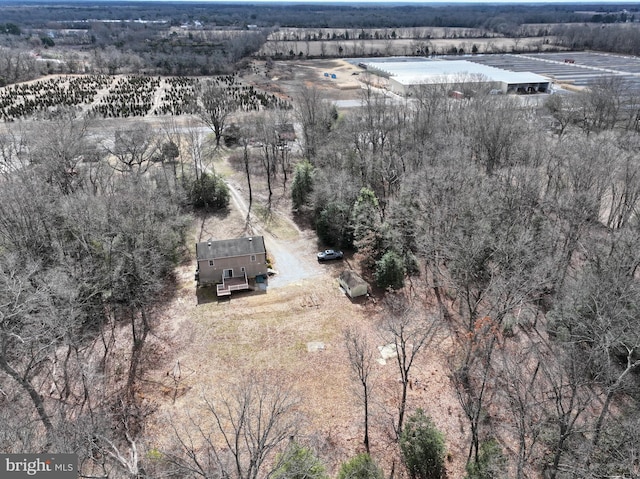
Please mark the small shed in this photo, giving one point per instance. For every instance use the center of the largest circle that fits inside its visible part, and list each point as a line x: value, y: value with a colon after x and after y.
x: 353, y: 284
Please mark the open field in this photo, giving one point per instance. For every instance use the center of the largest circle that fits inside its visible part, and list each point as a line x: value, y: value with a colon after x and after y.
x: 389, y: 47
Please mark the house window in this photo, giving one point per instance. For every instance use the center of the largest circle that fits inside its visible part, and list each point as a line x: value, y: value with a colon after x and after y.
x: 210, y: 262
x: 242, y: 269
x: 253, y: 257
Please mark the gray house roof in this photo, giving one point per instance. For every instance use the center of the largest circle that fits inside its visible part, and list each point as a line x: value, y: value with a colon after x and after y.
x: 230, y: 248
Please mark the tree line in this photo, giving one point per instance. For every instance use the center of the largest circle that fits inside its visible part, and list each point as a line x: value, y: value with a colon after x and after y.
x: 616, y: 38
x: 141, y: 39
x: 308, y: 16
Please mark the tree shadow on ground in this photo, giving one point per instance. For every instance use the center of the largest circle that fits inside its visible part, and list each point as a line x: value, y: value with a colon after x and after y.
x: 207, y: 294
x: 204, y: 215
x: 303, y: 218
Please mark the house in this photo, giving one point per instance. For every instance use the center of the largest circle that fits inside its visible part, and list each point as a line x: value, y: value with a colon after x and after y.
x: 232, y: 264
x: 353, y: 284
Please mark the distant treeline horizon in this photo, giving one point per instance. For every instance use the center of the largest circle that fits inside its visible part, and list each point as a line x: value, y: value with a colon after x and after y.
x: 315, y: 15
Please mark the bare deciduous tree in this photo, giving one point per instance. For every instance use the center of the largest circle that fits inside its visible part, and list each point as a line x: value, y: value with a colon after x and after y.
x: 601, y: 103
x: 196, y: 147
x: 361, y: 361
x: 472, y: 376
x: 60, y: 147
x: 496, y: 127
x: 410, y: 331
x: 314, y: 114
x: 520, y: 383
x: 27, y: 334
x: 216, y: 104
x: 266, y: 134
x: 251, y: 420
x: 134, y: 149
x: 13, y: 150
x: 570, y: 396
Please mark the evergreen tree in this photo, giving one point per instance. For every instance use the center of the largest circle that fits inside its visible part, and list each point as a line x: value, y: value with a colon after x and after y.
x: 302, y: 184
x: 422, y: 447
x: 390, y: 271
x: 360, y: 467
x: 209, y: 191
x: 365, y: 216
x: 299, y: 462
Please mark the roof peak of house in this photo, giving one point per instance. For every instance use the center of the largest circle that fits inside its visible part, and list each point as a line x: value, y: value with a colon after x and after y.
x: 226, y: 248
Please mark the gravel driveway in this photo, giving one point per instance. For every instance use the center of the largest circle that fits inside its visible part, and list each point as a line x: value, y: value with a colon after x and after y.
x: 293, y: 260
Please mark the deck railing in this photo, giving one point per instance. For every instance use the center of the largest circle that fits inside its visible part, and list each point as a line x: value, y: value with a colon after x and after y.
x: 237, y: 283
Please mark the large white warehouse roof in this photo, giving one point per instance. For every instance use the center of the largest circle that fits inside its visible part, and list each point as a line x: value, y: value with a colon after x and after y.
x: 450, y: 71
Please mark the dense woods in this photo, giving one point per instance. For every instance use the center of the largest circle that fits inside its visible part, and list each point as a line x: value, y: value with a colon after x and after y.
x: 85, y: 248
x: 515, y: 232
x: 310, y: 16
x: 521, y: 239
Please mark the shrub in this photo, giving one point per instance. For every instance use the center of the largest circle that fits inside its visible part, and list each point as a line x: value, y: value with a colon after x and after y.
x: 333, y: 225
x: 299, y: 462
x: 360, y: 467
x: 302, y: 184
x: 231, y: 135
x: 169, y: 151
x: 365, y: 215
x: 209, y: 191
x: 422, y: 447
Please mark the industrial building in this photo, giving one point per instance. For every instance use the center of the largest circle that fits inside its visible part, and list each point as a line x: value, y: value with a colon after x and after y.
x: 404, y: 77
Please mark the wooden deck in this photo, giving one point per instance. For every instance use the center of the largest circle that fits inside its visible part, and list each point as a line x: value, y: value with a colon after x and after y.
x: 232, y: 284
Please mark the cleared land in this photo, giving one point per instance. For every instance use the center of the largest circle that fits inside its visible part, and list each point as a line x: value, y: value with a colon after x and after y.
x: 214, y: 342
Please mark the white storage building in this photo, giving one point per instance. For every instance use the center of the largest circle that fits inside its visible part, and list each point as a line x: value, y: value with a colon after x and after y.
x: 405, y: 76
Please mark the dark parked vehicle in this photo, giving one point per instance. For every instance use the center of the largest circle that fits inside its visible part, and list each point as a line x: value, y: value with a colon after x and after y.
x: 329, y: 254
